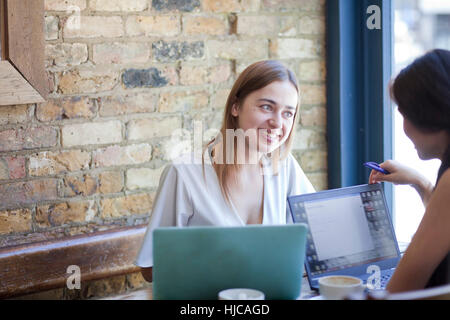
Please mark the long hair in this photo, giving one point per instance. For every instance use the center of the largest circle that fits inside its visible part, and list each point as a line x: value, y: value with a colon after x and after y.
x: 254, y: 77
x: 422, y: 91
x: 422, y: 94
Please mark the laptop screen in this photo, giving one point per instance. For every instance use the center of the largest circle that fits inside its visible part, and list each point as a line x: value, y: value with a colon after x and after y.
x: 347, y: 228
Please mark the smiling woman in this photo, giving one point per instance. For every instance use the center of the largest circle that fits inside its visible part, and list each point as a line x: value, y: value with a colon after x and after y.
x: 263, y: 104
x: 22, y: 73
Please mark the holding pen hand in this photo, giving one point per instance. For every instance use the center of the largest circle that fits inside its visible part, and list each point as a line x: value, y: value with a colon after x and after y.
x: 403, y: 175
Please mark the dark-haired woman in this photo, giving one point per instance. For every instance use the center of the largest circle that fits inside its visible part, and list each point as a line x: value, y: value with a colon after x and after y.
x: 422, y: 93
x: 235, y: 184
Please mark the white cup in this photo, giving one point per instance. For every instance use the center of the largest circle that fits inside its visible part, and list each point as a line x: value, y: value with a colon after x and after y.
x: 338, y: 287
x: 241, y: 294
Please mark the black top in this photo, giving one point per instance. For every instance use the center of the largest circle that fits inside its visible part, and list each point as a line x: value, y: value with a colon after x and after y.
x: 441, y: 275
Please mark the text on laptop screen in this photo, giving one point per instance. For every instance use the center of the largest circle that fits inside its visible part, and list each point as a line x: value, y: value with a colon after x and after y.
x: 345, y: 231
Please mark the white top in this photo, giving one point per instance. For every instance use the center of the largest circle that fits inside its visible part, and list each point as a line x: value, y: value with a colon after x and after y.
x: 185, y: 199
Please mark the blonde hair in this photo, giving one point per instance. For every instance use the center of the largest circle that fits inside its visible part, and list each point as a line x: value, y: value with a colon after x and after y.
x: 254, y: 77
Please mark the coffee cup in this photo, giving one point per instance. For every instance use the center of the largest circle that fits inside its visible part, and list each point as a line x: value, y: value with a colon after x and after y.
x: 241, y: 294
x: 338, y: 287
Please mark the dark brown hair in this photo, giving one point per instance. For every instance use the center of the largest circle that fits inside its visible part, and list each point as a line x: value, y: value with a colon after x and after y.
x: 422, y: 91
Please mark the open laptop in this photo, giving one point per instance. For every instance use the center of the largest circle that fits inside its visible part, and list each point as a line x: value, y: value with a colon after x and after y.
x: 350, y: 233
x: 196, y: 263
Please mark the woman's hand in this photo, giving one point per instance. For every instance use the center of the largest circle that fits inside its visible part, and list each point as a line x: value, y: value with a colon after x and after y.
x: 403, y: 175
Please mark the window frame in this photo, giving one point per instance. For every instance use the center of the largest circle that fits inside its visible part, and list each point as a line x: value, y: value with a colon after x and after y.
x: 360, y: 114
x: 22, y: 69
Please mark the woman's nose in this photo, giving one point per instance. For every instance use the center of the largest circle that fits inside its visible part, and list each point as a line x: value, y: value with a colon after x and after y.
x: 275, y: 120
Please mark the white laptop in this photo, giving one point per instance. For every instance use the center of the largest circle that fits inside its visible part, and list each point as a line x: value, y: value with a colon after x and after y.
x: 350, y: 233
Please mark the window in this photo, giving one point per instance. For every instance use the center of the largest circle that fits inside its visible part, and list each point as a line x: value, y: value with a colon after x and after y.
x: 419, y: 26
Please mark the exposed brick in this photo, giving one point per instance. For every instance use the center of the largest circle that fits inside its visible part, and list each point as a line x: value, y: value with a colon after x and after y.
x: 171, y: 51
x: 221, y: 5
x: 313, y: 160
x: 118, y: 156
x: 51, y: 28
x: 257, y: 25
x: 136, y: 281
x: 12, y: 168
x: 15, y: 221
x: 125, y: 206
x: 17, y: 239
x: 59, y: 214
x: 64, y: 5
x: 144, y: 129
x: 182, y: 101
x: 91, y: 133
x: 294, y: 48
x: 87, y: 81
x: 143, y: 78
x: 219, y: 73
x: 180, y: 143
x: 50, y: 163
x: 288, y: 26
x: 319, y: 180
x: 289, y: 5
x: 219, y: 98
x: 120, y: 53
x: 66, y: 54
x: 119, y: 105
x: 312, y: 71
x: 308, y: 139
x: 250, y: 5
x: 105, y: 287
x: 236, y: 49
x: 312, y: 25
x: 313, y: 94
x: 93, y: 27
x: 110, y: 182
x: 86, y: 185
x: 316, y: 116
x: 15, y: 114
x: 148, y: 26
x: 4, y: 170
x: 29, y: 138
x: 140, y: 178
x: 20, y: 193
x: 199, y: 25
x: 193, y: 75
x: 118, y: 5
x: 181, y: 5
x: 66, y: 108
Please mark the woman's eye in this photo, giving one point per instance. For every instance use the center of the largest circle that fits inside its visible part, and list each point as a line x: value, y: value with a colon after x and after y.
x: 266, y: 107
x: 289, y: 114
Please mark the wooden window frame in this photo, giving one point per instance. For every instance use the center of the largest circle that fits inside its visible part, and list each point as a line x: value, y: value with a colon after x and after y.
x: 23, y: 78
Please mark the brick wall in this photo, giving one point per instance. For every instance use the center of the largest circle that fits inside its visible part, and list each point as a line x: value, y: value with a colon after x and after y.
x: 125, y: 74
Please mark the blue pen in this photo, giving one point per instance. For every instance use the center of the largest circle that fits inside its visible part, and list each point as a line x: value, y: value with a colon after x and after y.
x: 375, y: 166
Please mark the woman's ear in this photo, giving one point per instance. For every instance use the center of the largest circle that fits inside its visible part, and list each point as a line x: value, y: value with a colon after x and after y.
x: 235, y: 110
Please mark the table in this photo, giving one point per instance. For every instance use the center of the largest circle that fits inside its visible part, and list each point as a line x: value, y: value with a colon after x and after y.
x: 306, y: 292
x: 147, y: 293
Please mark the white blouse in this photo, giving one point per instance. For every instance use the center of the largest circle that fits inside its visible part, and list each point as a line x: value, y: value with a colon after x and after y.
x: 185, y: 198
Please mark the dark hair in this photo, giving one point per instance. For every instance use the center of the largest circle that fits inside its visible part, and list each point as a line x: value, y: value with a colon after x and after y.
x: 422, y: 91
